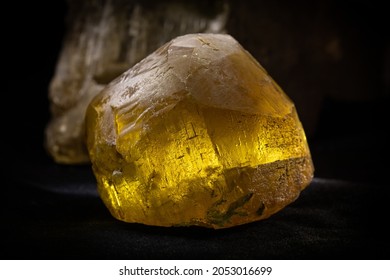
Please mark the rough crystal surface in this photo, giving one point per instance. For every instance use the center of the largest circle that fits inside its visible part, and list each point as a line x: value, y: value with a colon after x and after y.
x: 197, y: 133
x: 105, y: 38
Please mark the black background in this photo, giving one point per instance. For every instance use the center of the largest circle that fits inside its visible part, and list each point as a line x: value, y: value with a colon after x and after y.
x: 332, y: 59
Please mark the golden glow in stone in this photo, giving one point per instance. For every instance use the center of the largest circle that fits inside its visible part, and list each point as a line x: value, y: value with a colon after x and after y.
x: 197, y: 133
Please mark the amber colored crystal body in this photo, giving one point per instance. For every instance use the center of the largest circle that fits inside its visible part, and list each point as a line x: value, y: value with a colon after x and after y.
x: 197, y: 133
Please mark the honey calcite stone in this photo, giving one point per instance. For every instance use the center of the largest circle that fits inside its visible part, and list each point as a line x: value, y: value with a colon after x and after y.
x: 197, y: 133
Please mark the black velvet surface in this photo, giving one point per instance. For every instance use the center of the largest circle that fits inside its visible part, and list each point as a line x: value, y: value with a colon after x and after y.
x: 54, y: 212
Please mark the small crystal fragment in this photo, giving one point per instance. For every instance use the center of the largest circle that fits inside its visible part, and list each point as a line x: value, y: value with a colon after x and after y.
x: 197, y: 133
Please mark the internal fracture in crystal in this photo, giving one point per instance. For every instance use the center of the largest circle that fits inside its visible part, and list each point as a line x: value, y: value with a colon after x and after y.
x: 197, y: 133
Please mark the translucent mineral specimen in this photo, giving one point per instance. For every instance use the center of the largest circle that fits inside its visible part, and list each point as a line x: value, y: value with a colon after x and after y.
x: 104, y: 39
x: 197, y: 133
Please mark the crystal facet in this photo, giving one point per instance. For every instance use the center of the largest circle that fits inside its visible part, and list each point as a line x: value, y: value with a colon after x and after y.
x: 197, y: 133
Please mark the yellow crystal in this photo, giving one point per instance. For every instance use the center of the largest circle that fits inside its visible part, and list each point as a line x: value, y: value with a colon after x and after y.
x: 197, y: 133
